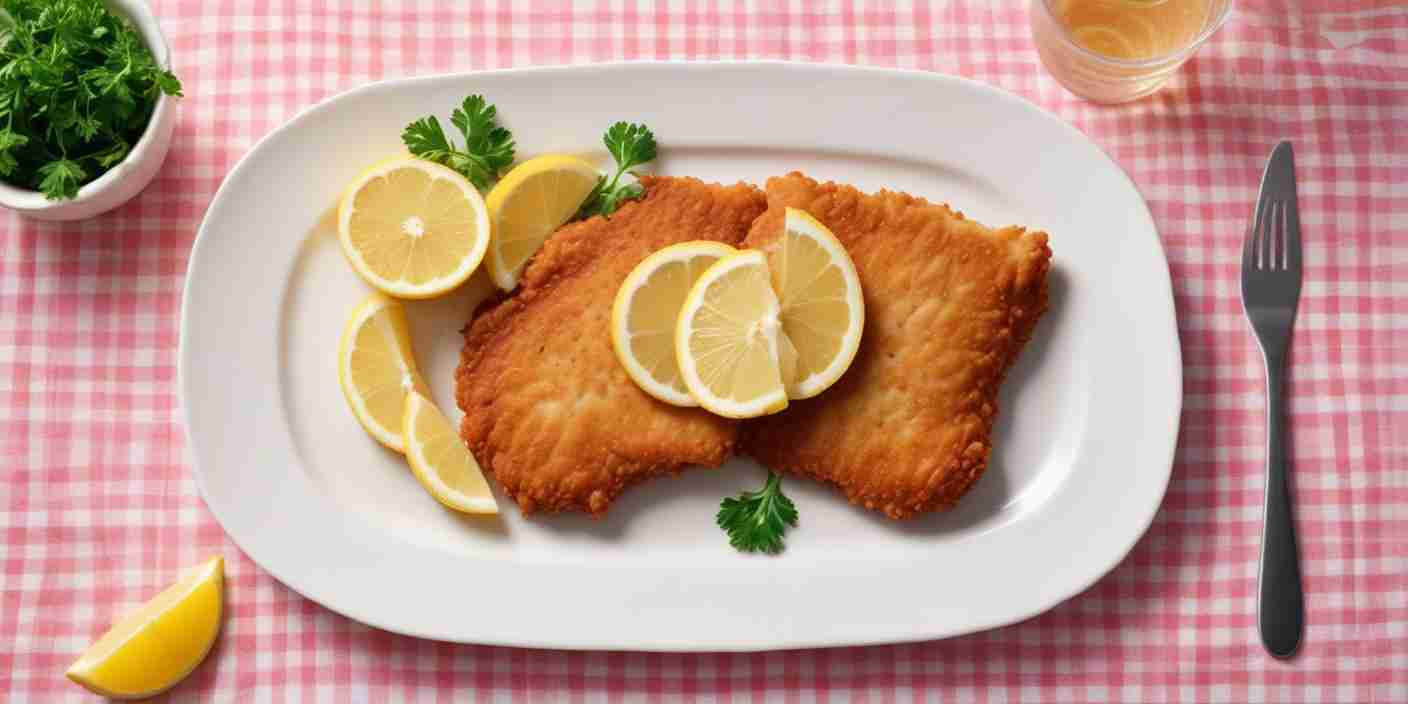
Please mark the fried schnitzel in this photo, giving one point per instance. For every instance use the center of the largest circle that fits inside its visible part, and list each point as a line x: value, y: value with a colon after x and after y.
x: 549, y: 412
x: 949, y: 305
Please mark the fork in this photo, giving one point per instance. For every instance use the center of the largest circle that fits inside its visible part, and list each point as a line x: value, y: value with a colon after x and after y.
x: 1271, y: 272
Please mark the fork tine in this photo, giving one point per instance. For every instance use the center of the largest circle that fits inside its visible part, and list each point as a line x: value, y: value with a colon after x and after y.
x: 1292, y: 225
x: 1274, y: 233
x: 1265, y: 238
x: 1274, y: 228
x: 1249, y: 249
x: 1256, y: 238
x: 1268, y: 234
x: 1284, y: 238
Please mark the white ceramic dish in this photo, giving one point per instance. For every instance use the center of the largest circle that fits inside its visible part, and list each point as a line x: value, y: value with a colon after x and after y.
x: 120, y: 183
x: 1085, y: 441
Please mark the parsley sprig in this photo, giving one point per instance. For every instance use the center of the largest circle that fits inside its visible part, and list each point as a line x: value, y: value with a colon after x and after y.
x: 631, y: 145
x: 488, y: 147
x: 756, y: 520
x: 77, y: 88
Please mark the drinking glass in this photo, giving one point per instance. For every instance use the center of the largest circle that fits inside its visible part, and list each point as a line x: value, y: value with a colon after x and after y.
x: 1104, y: 79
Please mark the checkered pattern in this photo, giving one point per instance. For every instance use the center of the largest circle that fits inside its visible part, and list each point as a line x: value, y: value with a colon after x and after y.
x: 98, y: 509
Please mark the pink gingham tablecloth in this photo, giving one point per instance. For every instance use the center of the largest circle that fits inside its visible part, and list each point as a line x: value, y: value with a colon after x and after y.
x: 98, y: 509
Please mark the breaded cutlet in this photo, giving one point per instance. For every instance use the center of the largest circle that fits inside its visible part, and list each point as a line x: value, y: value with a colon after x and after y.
x: 549, y: 412
x: 949, y: 305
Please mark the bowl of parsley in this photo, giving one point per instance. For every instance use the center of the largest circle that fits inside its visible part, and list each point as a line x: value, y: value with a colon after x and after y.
x: 87, y: 105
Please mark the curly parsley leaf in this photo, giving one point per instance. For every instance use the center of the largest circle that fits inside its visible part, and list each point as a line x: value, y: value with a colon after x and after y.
x: 756, y: 520
x: 60, y: 179
x: 488, y: 146
x: 10, y: 141
x: 167, y: 82
x: 426, y: 139
x: 110, y: 157
x: 477, y: 120
x: 631, y: 145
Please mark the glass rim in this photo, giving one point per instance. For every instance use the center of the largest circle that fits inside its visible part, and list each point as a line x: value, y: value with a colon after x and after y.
x: 1212, y: 25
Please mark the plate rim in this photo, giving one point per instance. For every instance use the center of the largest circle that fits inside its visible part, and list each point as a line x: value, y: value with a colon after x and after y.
x: 755, y: 643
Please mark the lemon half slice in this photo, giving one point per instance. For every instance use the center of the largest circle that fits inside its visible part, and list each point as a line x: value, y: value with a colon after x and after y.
x: 823, y: 311
x: 377, y: 368
x: 440, y: 460
x: 645, y: 312
x: 727, y: 339
x: 153, y: 648
x: 528, y: 205
x: 413, y: 228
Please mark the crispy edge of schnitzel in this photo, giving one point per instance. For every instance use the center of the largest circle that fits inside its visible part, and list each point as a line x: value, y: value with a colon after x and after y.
x: 673, y: 210
x: 810, y: 436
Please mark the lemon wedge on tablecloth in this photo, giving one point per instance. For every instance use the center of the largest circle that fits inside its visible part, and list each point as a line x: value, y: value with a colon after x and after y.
x: 377, y: 368
x: 413, y: 228
x: 645, y: 312
x: 528, y: 205
x: 440, y: 460
x: 153, y: 648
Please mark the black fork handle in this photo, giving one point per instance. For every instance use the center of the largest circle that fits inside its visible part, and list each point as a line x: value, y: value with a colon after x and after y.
x: 1280, y: 601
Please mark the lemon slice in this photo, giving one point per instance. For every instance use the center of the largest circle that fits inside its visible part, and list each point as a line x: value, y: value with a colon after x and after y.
x: 646, y: 309
x: 440, y: 461
x: 727, y: 339
x: 412, y: 228
x: 376, y: 367
x: 151, y: 649
x: 528, y: 205
x: 823, y: 312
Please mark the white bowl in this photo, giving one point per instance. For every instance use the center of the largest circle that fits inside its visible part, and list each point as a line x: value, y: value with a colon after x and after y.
x: 120, y: 183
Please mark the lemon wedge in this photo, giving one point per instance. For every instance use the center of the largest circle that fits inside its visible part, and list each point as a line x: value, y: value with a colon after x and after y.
x: 823, y: 311
x: 440, y: 461
x: 528, y: 205
x: 727, y: 339
x: 645, y: 311
x: 413, y: 228
x: 153, y: 648
x: 377, y: 368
